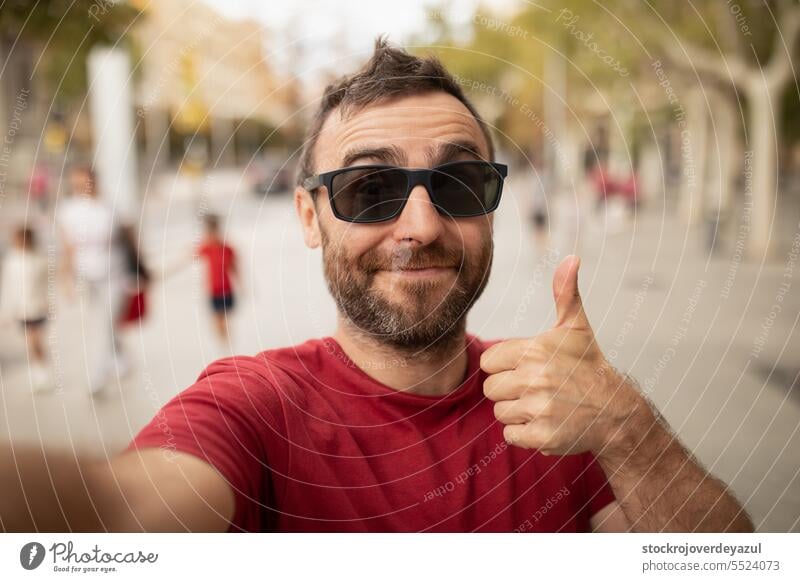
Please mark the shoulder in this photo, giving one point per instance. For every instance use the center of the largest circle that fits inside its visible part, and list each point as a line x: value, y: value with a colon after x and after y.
x: 12, y: 256
x: 265, y: 377
x: 9, y: 266
x: 238, y: 376
x: 22, y: 261
x: 305, y: 359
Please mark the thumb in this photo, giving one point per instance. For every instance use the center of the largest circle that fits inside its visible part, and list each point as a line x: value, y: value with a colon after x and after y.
x: 569, y: 307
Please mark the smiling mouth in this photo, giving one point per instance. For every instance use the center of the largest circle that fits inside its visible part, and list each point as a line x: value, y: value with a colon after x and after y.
x: 421, y: 272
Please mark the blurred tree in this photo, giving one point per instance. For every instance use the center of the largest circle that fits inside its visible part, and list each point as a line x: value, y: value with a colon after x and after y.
x: 748, y: 46
x: 721, y: 57
x: 63, y: 32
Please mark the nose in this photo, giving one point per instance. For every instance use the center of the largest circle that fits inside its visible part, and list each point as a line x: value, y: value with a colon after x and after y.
x: 419, y: 221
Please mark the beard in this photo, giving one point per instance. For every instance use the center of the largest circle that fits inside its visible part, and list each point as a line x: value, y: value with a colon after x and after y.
x: 412, y: 315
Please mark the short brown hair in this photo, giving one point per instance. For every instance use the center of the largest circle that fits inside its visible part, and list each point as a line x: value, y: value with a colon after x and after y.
x: 212, y: 222
x: 26, y: 237
x: 390, y: 73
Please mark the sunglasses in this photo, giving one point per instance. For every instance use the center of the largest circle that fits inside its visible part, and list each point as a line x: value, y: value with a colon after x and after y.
x: 377, y: 193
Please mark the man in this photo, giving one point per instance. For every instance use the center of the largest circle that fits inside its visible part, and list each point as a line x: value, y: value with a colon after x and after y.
x: 401, y: 421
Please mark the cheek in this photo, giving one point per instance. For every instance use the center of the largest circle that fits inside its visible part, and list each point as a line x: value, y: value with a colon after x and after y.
x: 471, y: 235
x: 353, y: 239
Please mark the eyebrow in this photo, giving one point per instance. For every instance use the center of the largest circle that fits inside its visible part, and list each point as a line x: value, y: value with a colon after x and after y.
x: 386, y: 155
x: 449, y: 151
x: 436, y: 155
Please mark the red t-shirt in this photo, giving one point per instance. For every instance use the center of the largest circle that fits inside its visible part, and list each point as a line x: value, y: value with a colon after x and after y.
x: 220, y: 263
x: 310, y: 442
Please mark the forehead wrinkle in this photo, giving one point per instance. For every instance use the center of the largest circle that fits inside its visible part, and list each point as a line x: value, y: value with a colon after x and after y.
x: 379, y: 125
x: 390, y: 154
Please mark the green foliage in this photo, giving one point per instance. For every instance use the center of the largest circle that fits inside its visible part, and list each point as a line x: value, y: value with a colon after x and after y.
x: 65, y: 31
x: 601, y: 41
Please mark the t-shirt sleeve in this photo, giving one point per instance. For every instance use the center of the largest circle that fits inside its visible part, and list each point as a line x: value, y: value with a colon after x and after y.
x: 598, y: 490
x: 219, y: 420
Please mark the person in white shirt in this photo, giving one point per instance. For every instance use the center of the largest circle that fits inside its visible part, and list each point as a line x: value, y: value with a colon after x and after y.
x: 94, y: 261
x: 23, y: 297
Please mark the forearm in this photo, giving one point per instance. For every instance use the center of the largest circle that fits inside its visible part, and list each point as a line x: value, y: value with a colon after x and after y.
x: 48, y: 492
x: 139, y: 491
x: 661, y: 487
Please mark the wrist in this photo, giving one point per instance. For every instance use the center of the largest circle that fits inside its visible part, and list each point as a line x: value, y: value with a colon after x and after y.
x: 639, y: 437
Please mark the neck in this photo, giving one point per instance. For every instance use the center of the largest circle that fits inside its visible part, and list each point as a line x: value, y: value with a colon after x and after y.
x: 432, y: 371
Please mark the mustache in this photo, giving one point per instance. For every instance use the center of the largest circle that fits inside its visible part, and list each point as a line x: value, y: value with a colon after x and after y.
x: 405, y: 257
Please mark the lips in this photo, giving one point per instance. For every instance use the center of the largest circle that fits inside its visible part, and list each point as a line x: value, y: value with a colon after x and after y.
x: 420, y: 272
x: 426, y: 268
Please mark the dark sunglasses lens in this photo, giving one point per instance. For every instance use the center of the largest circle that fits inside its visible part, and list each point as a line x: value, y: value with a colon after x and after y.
x: 369, y: 194
x: 468, y: 189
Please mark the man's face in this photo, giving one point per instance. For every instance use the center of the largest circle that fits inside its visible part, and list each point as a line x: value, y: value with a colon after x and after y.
x: 409, y: 281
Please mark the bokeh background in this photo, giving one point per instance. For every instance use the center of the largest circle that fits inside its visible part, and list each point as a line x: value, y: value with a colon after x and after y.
x: 659, y: 140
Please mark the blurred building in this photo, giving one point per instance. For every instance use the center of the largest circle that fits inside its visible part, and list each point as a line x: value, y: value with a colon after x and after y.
x: 205, y: 91
x: 203, y: 88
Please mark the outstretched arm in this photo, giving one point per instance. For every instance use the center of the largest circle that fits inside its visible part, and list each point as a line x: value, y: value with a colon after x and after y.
x: 136, y: 491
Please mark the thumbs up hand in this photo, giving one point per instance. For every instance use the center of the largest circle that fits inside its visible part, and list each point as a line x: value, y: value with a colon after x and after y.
x: 556, y: 392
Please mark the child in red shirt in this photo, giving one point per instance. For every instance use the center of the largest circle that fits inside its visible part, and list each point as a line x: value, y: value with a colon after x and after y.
x: 220, y: 260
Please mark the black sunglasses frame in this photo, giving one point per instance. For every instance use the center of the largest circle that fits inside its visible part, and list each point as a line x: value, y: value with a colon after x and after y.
x: 415, y: 177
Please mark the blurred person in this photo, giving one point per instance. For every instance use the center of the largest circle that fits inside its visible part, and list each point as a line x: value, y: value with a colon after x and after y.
x: 221, y: 270
x: 539, y: 198
x: 39, y: 187
x: 137, y: 278
x: 401, y: 421
x: 23, y: 297
x: 94, y: 262
x: 628, y: 190
x: 602, y: 184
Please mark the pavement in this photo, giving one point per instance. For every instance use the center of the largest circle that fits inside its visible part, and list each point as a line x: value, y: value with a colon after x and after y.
x: 712, y: 340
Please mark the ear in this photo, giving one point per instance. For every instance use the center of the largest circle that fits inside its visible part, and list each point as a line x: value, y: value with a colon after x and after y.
x: 307, y: 213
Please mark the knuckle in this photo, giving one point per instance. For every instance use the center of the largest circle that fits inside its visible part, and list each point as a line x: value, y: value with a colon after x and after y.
x: 531, y: 408
x: 549, y: 408
x: 547, y: 379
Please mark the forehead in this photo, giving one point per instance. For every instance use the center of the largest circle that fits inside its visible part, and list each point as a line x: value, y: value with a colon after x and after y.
x: 414, y: 124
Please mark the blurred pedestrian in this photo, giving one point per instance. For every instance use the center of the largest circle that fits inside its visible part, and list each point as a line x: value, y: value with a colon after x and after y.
x: 137, y: 278
x: 221, y: 269
x: 39, y: 187
x: 23, y: 297
x: 629, y: 191
x: 94, y: 262
x: 539, y: 208
x: 602, y: 184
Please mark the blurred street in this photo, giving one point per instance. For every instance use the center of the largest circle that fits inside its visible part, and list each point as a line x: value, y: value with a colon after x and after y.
x: 702, y: 345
